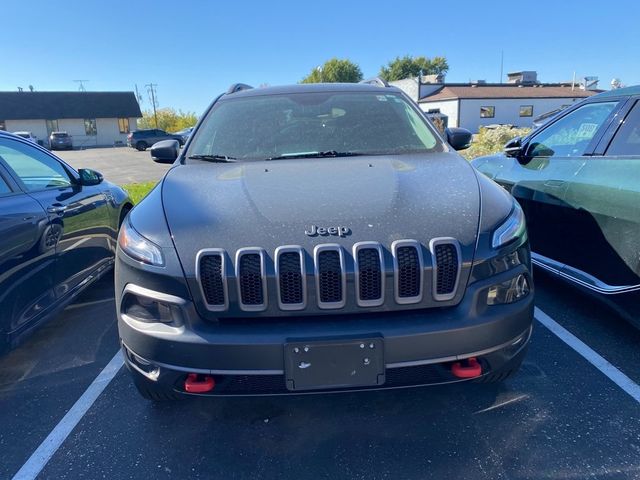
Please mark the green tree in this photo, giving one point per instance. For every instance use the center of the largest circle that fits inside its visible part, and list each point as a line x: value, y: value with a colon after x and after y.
x: 334, y: 71
x: 408, y: 67
x: 169, y: 119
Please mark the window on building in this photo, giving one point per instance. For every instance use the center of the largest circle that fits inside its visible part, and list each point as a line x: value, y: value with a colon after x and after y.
x: 526, y: 110
x: 90, y: 127
x: 487, y: 112
x: 52, y: 126
x: 123, y: 125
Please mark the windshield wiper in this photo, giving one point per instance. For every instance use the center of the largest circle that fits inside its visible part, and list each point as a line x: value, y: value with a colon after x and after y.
x: 213, y: 158
x: 326, y: 154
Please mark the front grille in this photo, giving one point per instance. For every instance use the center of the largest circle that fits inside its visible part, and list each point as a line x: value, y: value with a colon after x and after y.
x: 329, y: 277
x: 446, y: 269
x: 290, y: 278
x: 250, y: 279
x: 337, y: 275
x: 369, y: 274
x: 409, y: 272
x: 212, y: 279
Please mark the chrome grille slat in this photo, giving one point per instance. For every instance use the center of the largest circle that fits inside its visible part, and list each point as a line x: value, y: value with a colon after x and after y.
x: 251, y: 278
x: 291, y: 277
x: 212, y: 278
x: 369, y: 272
x: 330, y: 276
x: 408, y: 268
x: 446, y: 267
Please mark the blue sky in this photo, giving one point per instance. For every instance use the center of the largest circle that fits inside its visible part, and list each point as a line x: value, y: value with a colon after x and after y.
x: 195, y: 49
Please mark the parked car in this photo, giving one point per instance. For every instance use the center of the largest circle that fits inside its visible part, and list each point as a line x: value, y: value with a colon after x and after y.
x: 321, y: 238
x: 60, y: 141
x: 185, y: 134
x: 27, y: 135
x: 58, y: 229
x: 578, y: 181
x: 143, y: 139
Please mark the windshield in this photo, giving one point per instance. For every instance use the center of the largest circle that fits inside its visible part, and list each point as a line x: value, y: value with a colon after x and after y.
x: 272, y: 126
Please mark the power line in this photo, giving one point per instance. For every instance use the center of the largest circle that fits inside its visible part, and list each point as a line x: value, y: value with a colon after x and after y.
x: 151, y: 89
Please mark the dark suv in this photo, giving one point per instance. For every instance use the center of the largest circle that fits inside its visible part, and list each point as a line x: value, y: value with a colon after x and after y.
x: 60, y: 141
x: 577, y: 178
x: 321, y: 238
x: 143, y: 139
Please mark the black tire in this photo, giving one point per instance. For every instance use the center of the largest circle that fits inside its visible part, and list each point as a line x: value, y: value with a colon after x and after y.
x: 141, y: 146
x: 507, y: 371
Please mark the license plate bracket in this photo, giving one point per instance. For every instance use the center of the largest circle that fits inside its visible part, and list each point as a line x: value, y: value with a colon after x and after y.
x: 334, y: 363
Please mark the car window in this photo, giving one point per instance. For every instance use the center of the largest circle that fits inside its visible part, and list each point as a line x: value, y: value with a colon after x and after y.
x: 260, y: 127
x: 4, y: 187
x: 36, y: 169
x: 571, y: 134
x: 627, y: 140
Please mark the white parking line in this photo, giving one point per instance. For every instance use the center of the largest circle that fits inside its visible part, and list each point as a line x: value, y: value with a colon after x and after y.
x: 615, y: 375
x: 58, y: 435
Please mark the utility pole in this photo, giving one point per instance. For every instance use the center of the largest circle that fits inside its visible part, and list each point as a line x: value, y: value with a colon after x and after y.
x: 81, y: 86
x: 501, y: 63
x: 151, y: 87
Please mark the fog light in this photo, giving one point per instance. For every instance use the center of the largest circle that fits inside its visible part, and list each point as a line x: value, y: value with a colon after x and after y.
x: 147, y: 310
x: 508, y: 292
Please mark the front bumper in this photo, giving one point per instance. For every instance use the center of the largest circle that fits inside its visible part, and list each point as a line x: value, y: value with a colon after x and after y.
x: 247, y: 356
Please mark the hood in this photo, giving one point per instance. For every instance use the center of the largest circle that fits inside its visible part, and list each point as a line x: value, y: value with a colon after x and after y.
x: 269, y: 204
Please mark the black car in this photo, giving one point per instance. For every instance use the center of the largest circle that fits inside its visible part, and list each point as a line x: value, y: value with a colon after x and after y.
x: 318, y: 238
x: 58, y: 230
x: 578, y: 180
x: 143, y: 139
x: 60, y: 141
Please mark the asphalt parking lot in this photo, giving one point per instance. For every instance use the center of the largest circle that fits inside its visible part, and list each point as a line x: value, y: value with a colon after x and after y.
x: 120, y: 165
x: 560, y: 417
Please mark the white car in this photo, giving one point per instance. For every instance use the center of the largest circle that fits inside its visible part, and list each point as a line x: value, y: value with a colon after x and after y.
x: 28, y: 136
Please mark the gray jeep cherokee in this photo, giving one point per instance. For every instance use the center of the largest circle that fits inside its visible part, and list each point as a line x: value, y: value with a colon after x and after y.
x: 317, y: 238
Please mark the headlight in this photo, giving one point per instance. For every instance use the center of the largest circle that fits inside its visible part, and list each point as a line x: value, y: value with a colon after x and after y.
x: 138, y: 247
x: 513, y: 227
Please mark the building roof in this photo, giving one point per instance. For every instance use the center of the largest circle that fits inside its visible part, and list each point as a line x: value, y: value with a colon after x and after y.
x: 456, y: 91
x: 57, y: 105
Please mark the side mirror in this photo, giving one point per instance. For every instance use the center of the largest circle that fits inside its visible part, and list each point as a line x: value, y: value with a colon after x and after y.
x: 459, y: 138
x: 165, y: 150
x: 513, y: 148
x: 90, y: 177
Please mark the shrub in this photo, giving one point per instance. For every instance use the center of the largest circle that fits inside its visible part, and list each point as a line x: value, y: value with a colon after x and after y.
x: 492, y: 140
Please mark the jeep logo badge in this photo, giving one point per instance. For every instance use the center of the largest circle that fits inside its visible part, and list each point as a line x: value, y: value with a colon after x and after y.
x: 314, y: 231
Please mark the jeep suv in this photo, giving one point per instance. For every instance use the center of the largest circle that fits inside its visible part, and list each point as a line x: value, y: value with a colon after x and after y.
x: 143, y: 139
x: 318, y: 238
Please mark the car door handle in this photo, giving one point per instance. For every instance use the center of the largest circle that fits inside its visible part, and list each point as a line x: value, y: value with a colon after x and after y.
x: 56, y: 208
x: 555, y: 183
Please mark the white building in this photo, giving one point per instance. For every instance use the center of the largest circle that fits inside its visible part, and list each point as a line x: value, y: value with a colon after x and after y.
x: 91, y: 118
x: 473, y: 105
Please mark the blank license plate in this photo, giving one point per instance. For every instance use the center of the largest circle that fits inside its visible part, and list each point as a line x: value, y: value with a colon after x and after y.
x: 317, y: 365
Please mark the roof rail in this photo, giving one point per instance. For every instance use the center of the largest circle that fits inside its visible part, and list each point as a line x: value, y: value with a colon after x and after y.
x: 375, y: 81
x: 236, y: 87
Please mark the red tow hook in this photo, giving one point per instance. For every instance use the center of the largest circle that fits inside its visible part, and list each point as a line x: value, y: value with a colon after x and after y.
x: 204, y: 384
x: 471, y: 369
